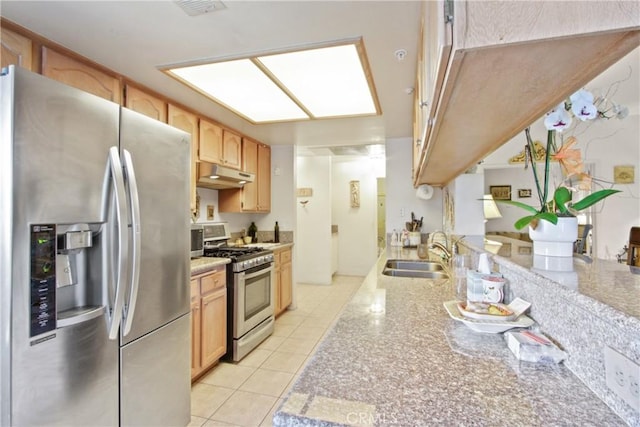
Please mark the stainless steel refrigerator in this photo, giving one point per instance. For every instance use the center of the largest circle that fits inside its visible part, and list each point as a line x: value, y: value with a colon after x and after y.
x: 94, y: 262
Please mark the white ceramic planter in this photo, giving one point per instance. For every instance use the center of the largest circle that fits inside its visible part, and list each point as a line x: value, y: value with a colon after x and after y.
x: 555, y: 240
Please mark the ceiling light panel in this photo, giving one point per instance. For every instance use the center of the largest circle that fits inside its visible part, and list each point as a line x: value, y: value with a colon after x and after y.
x: 244, y: 88
x: 321, y: 82
x: 329, y: 81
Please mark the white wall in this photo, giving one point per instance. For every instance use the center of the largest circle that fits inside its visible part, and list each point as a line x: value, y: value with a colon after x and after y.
x: 357, y: 227
x: 467, y: 191
x: 313, y: 240
x: 401, y: 197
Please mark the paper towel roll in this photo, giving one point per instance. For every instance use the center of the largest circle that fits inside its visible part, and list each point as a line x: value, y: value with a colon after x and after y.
x: 424, y: 192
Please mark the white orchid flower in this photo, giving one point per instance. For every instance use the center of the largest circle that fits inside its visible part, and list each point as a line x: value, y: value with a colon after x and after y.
x: 557, y: 119
x: 582, y: 105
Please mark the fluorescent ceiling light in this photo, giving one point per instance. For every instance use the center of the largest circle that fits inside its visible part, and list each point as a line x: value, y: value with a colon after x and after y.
x: 321, y: 82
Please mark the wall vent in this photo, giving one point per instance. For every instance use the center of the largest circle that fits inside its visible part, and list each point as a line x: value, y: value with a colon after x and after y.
x: 200, y: 7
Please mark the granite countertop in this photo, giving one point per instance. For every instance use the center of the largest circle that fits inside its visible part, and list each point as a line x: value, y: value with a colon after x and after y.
x: 412, y: 365
x: 204, y: 264
x: 600, y: 281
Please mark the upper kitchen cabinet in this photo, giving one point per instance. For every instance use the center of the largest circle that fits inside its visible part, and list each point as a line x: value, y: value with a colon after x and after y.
x: 220, y: 146
x: 254, y: 196
x: 80, y: 75
x: 263, y: 178
x: 188, y: 122
x: 510, y: 63
x: 145, y: 103
x: 433, y: 56
x: 15, y: 49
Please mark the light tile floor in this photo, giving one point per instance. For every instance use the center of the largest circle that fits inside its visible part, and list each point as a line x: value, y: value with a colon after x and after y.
x: 247, y: 393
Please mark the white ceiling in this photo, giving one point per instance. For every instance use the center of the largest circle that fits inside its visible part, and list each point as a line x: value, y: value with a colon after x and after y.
x: 133, y: 38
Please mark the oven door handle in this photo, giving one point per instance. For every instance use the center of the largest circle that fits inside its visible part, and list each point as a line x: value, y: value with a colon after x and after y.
x: 257, y: 273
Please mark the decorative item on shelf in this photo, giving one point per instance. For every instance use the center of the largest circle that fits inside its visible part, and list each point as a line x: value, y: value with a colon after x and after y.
x: 556, y: 215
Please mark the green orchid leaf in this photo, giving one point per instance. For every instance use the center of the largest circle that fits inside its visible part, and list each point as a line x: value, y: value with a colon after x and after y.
x: 561, y: 196
x: 548, y: 216
x: 592, y: 199
x: 519, y: 205
x: 526, y: 220
x: 523, y: 222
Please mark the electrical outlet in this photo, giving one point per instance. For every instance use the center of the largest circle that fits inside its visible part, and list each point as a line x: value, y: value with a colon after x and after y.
x: 401, y: 212
x: 623, y: 377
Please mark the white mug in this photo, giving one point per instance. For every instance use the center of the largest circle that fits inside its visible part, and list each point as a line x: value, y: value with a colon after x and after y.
x: 492, y: 289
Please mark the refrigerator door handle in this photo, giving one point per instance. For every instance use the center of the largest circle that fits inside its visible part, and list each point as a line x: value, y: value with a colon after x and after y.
x: 115, y: 175
x: 134, y: 270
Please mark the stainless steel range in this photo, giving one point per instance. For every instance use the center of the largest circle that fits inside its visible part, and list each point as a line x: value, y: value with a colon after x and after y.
x: 250, y: 300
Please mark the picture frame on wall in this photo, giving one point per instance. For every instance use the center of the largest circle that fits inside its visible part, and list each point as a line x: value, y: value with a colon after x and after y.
x: 524, y: 193
x: 500, y: 192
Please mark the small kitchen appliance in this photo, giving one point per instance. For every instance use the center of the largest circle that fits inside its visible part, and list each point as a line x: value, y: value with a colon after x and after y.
x: 197, y: 240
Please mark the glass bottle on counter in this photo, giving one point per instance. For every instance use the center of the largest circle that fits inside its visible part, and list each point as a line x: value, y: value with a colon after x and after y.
x: 276, y: 233
x: 253, y: 230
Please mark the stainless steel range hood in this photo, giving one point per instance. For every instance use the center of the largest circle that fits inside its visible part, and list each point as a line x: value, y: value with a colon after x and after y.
x: 218, y: 177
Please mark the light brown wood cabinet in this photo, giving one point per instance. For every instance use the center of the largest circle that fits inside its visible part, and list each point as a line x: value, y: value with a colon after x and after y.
x: 208, y: 319
x: 80, y: 75
x: 220, y: 146
x: 145, y: 103
x: 283, y: 278
x: 254, y: 196
x: 188, y: 122
x: 510, y: 63
x: 15, y: 49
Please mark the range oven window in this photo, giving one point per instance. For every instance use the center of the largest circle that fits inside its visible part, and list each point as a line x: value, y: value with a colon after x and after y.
x: 257, y: 293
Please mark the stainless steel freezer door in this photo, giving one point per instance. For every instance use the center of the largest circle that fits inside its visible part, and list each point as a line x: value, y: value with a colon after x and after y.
x: 70, y: 380
x: 55, y: 172
x: 156, y: 377
x: 161, y: 157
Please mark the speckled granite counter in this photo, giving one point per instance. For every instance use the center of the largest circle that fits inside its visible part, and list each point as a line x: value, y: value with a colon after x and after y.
x: 590, y: 307
x: 412, y: 365
x: 204, y: 264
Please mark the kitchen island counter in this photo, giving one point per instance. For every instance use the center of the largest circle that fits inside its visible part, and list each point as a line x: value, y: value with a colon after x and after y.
x: 395, y: 357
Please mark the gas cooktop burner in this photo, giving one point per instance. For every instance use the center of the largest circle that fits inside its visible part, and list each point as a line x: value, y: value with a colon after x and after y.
x: 242, y: 258
x: 229, y: 252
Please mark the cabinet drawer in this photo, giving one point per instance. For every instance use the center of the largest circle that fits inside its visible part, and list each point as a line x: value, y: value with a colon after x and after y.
x: 195, y: 290
x: 213, y: 281
x: 285, y: 256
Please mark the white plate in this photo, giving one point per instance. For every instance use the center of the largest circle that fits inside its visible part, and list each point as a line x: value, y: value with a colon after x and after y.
x: 486, y: 326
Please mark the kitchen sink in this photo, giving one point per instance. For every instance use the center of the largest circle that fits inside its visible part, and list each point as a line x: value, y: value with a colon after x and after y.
x: 414, y: 268
x: 414, y: 265
x: 415, y: 273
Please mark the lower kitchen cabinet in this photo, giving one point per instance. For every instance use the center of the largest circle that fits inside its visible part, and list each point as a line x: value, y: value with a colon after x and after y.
x: 283, y: 274
x: 208, y: 319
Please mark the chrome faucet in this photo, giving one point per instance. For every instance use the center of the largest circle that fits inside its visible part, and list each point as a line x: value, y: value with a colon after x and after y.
x: 444, y: 248
x: 447, y: 253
